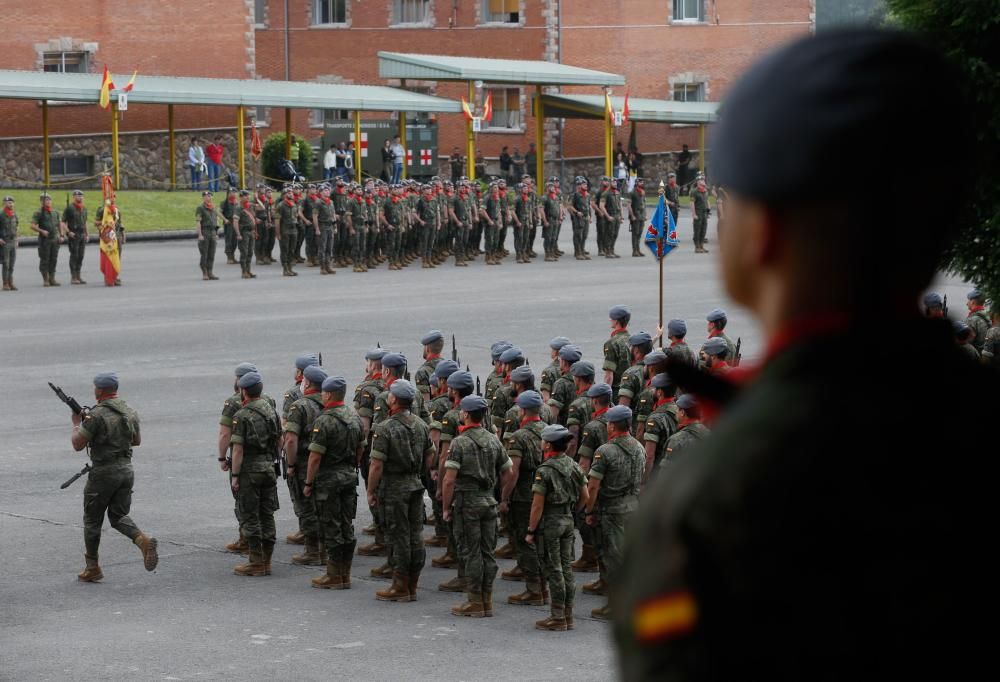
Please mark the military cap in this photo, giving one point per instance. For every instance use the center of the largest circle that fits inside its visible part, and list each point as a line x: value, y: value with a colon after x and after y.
x: 393, y: 360
x: 77, y: 192
x: 244, y: 192
x: 579, y: 181
x: 250, y: 379
x: 522, y: 374
x: 375, y: 354
x: 461, y: 380
x: 671, y: 174
x: 206, y: 193
x: 570, y: 353
x: 640, y: 338
x: 662, y: 380
x: 245, y: 367
x: 401, y: 388
x: 553, y: 433
x: 717, y: 315
x: 716, y: 346
x: 304, y: 361
x: 558, y: 342
x: 106, y: 380
x: 685, y: 401
x: 583, y: 368
x: 498, y: 348
x: 640, y: 181
x: 287, y: 188
x: 598, y: 390
x: 975, y: 293
x: 618, y: 414
x: 654, y: 358
x: 471, y: 403
x: 933, y: 300
x: 677, y: 328
x: 8, y: 198
x: 231, y: 190
x: 446, y: 368
x: 334, y: 384
x: 619, y: 312
x: 44, y: 195
x: 529, y: 400
x: 315, y: 374
x: 340, y: 181
x: 511, y: 354
x: 431, y: 336
x: 960, y: 327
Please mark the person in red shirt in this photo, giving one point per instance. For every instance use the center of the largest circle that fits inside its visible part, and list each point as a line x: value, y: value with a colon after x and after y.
x: 213, y: 156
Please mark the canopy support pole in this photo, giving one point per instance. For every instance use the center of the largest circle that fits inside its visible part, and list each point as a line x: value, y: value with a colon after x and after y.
x: 470, y: 137
x: 172, y: 145
x: 241, y: 146
x: 114, y: 145
x: 288, y: 135
x: 45, y: 142
x: 609, y: 141
x: 704, y: 155
x: 402, y: 140
x: 539, y: 142
x: 358, y: 175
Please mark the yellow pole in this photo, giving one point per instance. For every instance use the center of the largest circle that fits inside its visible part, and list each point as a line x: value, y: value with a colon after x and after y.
x: 45, y: 141
x: 114, y: 144
x: 241, y: 146
x: 609, y: 143
x: 357, y: 147
x: 402, y: 141
x: 171, y: 144
x: 470, y: 137
x: 704, y: 155
x: 539, y: 142
x: 288, y: 134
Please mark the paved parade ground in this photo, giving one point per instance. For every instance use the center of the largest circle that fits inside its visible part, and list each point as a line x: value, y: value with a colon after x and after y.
x: 174, y: 341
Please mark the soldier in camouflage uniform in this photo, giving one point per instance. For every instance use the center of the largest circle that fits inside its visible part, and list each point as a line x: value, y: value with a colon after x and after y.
x: 678, y: 350
x: 717, y: 321
x: 298, y: 425
x: 579, y: 209
x: 45, y: 224
x: 551, y: 215
x: 245, y: 231
x: 265, y: 229
x: 991, y: 347
x: 374, y: 238
x: 593, y: 435
x: 256, y: 433
x: 476, y: 462
x: 523, y: 223
x: 229, y: 208
x: 672, y: 195
x: 495, y: 378
x: 637, y: 216
x: 358, y: 227
x: 331, y: 483
x: 600, y: 215
x: 963, y: 337
x: 655, y: 363
x: 401, y: 450
x: 394, y: 211
x: 558, y: 490
x: 326, y: 218
x: 690, y: 431
x: 8, y: 242
x: 287, y: 400
x: 578, y: 412
x: 661, y: 424
x: 716, y: 353
x: 521, y: 379
x: 427, y: 217
x: 612, y: 204
x: 615, y: 478
x: 207, y: 230
x: 439, y: 406
x: 634, y: 378
x: 492, y: 212
x: 564, y: 390
x: 458, y: 213
x: 109, y: 431
x: 552, y: 372
x: 433, y: 344
x: 502, y: 397
x: 286, y: 231
x: 74, y: 226
x: 340, y: 246
x: 978, y: 319
x: 617, y: 357
x: 365, y: 395
x: 699, y: 212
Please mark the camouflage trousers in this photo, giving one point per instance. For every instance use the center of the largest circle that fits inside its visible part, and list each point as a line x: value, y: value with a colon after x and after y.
x: 286, y: 246
x: 638, y: 229
x: 8, y: 255
x: 326, y: 243
x: 311, y: 240
x: 108, y: 491
x: 493, y: 243
x: 404, y: 520
x: 610, y: 540
x: 475, y: 520
x: 527, y: 557
x: 359, y: 245
x: 304, y: 508
x: 428, y: 234
x: 246, y: 247
x: 342, y: 241
x: 229, y: 235
x: 265, y: 243
x: 554, y: 546
x: 77, y: 248
x: 48, y: 255
x: 257, y: 501
x: 580, y: 227
x: 700, y: 229
x: 206, y: 247
x: 336, y: 506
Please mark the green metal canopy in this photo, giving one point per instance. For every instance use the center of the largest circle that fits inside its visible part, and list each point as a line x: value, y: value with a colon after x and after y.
x: 85, y: 87
x: 520, y: 71
x: 639, y: 109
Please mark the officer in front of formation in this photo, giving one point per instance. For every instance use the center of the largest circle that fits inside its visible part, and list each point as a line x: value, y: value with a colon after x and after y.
x: 109, y: 431
x: 74, y: 226
x: 207, y: 230
x: 8, y: 242
x: 45, y: 224
x: 778, y: 550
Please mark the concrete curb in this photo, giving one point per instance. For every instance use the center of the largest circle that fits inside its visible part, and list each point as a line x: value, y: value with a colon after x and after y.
x: 160, y: 236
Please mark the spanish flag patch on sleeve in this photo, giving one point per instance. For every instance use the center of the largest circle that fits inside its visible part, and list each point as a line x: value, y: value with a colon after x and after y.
x: 665, y: 617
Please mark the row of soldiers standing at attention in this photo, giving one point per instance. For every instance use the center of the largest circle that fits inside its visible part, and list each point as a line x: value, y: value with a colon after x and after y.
x: 54, y: 229
x: 570, y: 453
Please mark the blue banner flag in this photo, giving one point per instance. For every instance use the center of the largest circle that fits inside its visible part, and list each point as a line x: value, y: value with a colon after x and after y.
x: 661, y: 234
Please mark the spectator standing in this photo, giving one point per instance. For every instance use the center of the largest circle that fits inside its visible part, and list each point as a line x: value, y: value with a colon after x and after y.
x: 196, y: 162
x: 684, y: 166
x: 530, y: 161
x: 349, y: 162
x: 480, y: 165
x: 505, y: 162
x: 214, y: 154
x: 341, y: 156
x: 517, y: 165
x: 457, y: 162
x: 398, y: 159
x: 329, y: 162
x: 387, y: 161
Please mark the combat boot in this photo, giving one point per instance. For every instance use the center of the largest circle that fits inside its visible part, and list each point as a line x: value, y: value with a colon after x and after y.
x: 436, y: 541
x: 147, y: 546
x: 6, y: 287
x: 296, y: 538
x: 456, y: 584
x: 211, y: 274
x: 376, y: 548
x: 488, y: 602
x: 602, y: 612
x: 369, y: 530
x: 587, y: 563
x: 267, y: 549
x: 556, y: 622
x: 204, y: 274
x: 411, y: 585
x: 446, y: 560
x: 254, y: 566
x: 569, y: 617
x: 398, y: 591
x: 532, y: 596
x: 45, y: 280
x: 92, y: 573
x: 506, y: 552
x: 332, y: 579
x: 310, y: 555
x: 52, y: 280
x: 598, y: 587
x: 515, y: 574
x: 471, y: 608
x: 230, y: 260
x: 240, y: 546
x: 383, y: 571
x: 10, y: 283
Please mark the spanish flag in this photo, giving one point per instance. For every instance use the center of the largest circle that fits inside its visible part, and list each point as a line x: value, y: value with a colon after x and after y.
x: 111, y: 265
x: 488, y: 108
x: 467, y: 110
x: 107, y: 85
x: 665, y: 617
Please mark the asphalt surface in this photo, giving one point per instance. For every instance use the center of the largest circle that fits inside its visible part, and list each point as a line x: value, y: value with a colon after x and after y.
x: 174, y: 340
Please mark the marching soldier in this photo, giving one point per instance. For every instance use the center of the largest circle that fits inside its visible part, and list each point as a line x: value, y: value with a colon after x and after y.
x: 230, y: 207
x: 331, y: 481
x: 207, y: 228
x: 109, y: 431
x: 286, y: 231
x: 245, y: 233
x: 74, y: 226
x: 8, y: 242
x: 558, y: 490
x: 45, y: 224
x: 637, y: 216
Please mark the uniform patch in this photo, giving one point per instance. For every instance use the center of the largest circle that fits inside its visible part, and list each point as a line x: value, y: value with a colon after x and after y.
x: 650, y: 425
x: 665, y: 617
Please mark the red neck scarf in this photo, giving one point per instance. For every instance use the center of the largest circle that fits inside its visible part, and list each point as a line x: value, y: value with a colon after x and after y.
x: 397, y: 409
x: 231, y: 200
x: 246, y: 204
x: 665, y: 401
x: 584, y: 390
x: 528, y: 420
x: 598, y: 413
x: 463, y: 429
x: 9, y: 211
x: 388, y: 382
x: 583, y: 192
x: 975, y: 309
x: 720, y: 368
x: 395, y: 199
x: 377, y: 375
x: 47, y: 209
x: 290, y: 202
x: 310, y: 391
x: 209, y: 206
x: 676, y: 343
x: 78, y: 205
x: 552, y: 453
x: 715, y: 332
x: 702, y: 189
x: 333, y: 403
x: 802, y: 329
x: 327, y: 200
x: 108, y: 397
x: 433, y: 356
x: 618, y: 331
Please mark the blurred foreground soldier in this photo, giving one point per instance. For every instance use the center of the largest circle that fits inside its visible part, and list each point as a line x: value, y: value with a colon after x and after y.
x: 207, y: 229
x: 256, y: 430
x: 45, y: 224
x: 767, y: 535
x: 109, y: 431
x: 978, y: 319
x: 229, y: 410
x: 8, y: 242
x: 991, y: 347
x: 559, y: 488
x: 74, y: 226
x: 331, y: 481
x: 933, y: 305
x: 298, y: 426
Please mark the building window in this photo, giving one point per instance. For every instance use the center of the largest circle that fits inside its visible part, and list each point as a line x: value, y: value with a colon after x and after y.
x: 65, y: 62
x: 506, y: 108
x: 321, y: 117
x: 260, y: 12
x: 691, y: 11
x: 501, y: 11
x: 330, y: 12
x: 689, y: 92
x: 71, y: 165
x: 409, y: 11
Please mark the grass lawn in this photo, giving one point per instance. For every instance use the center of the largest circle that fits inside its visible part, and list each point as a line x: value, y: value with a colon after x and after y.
x: 142, y: 210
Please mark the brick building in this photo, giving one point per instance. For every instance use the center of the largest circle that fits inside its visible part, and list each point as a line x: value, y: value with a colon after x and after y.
x: 680, y: 49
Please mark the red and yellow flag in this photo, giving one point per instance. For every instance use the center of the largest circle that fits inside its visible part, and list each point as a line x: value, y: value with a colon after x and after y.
x: 625, y: 109
x: 107, y: 85
x: 111, y: 264
x: 256, y: 147
x: 131, y: 82
x: 488, y: 108
x: 467, y: 110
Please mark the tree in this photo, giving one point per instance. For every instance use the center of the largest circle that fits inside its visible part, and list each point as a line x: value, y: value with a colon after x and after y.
x: 274, y: 152
x: 967, y: 32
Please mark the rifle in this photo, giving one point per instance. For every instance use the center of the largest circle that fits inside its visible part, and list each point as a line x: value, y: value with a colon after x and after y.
x: 479, y: 389
x: 944, y: 306
x: 71, y: 481
x: 454, y: 350
x: 738, y: 356
x: 71, y: 402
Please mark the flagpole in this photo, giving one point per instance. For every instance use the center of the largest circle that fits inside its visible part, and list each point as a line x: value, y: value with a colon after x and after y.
x: 659, y: 255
